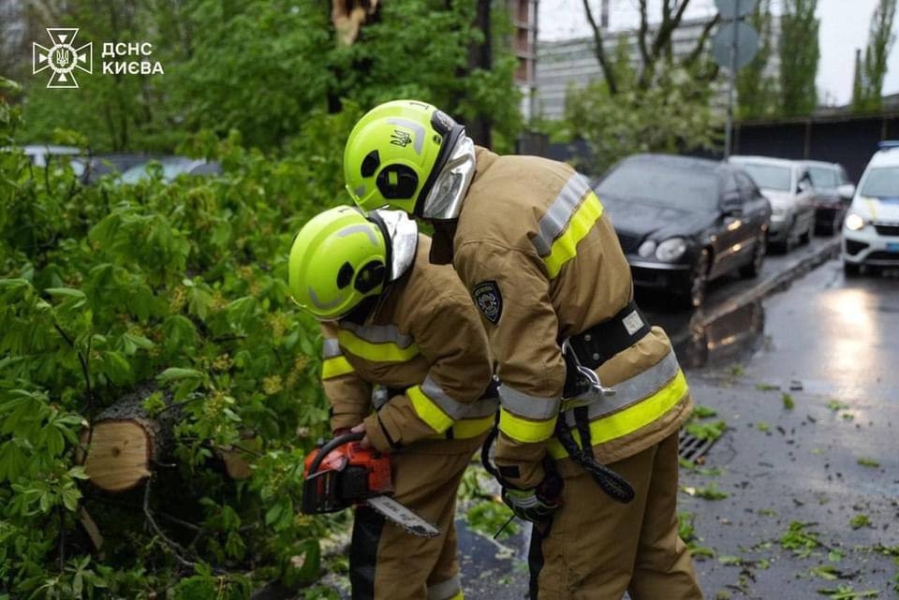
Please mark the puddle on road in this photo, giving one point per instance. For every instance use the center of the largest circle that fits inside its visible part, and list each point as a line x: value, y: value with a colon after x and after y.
x: 726, y: 338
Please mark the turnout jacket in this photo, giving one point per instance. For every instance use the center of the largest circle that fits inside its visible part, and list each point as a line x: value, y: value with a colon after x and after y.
x: 426, y: 350
x: 542, y: 263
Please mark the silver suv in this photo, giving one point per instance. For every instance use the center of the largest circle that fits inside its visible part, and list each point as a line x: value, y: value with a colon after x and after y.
x: 788, y: 186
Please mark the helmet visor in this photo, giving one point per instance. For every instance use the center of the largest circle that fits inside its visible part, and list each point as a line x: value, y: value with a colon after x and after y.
x: 444, y: 201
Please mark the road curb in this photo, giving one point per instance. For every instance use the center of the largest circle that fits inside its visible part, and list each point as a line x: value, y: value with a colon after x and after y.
x: 773, y: 283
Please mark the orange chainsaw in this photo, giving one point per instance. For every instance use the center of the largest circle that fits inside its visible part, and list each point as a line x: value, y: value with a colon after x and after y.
x: 341, y: 473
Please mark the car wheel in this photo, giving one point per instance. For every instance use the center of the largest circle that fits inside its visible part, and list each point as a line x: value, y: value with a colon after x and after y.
x: 851, y: 269
x: 806, y: 237
x: 694, y: 294
x: 792, y: 239
x: 758, y: 257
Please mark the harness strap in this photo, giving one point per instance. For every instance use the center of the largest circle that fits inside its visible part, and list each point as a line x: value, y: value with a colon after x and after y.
x: 613, y: 484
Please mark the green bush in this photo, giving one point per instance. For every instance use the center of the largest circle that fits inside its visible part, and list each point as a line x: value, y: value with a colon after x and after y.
x: 178, y: 289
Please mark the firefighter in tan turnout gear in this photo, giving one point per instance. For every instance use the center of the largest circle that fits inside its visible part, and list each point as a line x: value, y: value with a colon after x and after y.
x: 541, y: 261
x: 405, y: 329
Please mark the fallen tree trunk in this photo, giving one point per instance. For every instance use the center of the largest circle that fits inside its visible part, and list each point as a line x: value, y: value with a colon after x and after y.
x: 125, y: 443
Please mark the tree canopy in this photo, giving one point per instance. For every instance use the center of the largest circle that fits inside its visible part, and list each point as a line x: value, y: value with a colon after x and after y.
x: 264, y: 67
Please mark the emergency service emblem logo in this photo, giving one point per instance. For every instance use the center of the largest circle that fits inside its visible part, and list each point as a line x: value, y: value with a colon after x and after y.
x: 62, y: 58
x: 488, y: 300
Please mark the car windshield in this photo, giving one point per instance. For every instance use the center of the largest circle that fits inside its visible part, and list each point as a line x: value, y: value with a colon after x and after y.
x: 170, y: 170
x: 823, y: 178
x: 769, y: 177
x: 683, y: 188
x: 882, y: 182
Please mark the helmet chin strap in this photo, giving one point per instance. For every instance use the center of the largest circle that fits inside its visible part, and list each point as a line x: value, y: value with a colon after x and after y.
x: 444, y: 200
x: 401, y: 234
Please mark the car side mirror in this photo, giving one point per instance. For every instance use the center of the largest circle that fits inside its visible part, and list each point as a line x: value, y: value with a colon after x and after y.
x: 804, y: 186
x: 732, y: 206
x: 846, y: 191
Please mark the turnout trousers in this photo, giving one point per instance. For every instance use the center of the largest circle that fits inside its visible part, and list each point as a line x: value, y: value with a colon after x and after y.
x: 596, y: 548
x: 386, y: 562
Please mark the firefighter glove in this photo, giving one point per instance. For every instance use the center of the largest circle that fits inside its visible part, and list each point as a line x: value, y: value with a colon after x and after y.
x: 536, y: 504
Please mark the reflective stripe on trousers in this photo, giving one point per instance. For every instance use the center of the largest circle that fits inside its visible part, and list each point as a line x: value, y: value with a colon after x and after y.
x: 451, y: 589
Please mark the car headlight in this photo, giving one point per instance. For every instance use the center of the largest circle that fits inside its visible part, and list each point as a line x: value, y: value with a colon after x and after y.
x: 855, y: 222
x: 778, y: 212
x: 671, y: 250
x: 647, y: 249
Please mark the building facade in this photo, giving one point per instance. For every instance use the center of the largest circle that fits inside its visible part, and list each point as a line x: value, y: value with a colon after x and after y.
x: 565, y: 63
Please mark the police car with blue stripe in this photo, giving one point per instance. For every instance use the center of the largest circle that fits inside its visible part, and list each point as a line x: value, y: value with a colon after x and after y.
x: 871, y: 228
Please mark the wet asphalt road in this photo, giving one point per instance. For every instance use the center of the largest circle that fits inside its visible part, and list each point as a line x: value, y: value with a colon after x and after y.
x: 829, y: 464
x: 830, y: 461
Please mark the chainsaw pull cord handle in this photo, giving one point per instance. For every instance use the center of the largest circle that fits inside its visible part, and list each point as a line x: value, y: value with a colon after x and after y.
x: 335, y: 443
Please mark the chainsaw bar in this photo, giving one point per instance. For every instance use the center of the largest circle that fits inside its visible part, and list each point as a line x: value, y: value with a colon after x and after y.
x: 402, y: 516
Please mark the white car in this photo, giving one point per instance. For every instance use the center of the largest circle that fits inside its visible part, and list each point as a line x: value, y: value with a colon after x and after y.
x: 788, y: 186
x: 871, y: 227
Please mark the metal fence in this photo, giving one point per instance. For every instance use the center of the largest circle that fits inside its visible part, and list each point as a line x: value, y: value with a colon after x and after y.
x: 850, y: 140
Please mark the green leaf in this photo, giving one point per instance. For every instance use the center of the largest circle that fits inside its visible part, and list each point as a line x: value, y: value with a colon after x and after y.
x: 788, y: 402
x: 13, y: 461
x: 131, y: 343
x: 70, y: 498
x: 54, y: 441
x: 78, y: 472
x: 305, y: 563
x: 116, y: 367
x: 826, y: 572
x: 835, y: 405
x: 241, y: 309
x: 66, y: 293
x: 859, y: 521
x: 178, y: 374
x: 274, y: 513
x: 179, y: 331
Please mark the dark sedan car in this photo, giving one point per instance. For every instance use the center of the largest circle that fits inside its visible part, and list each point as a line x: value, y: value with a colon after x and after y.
x: 833, y: 193
x: 685, y: 221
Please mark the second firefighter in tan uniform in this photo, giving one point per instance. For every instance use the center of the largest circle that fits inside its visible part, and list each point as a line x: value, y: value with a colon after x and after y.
x: 542, y: 262
x: 420, y: 347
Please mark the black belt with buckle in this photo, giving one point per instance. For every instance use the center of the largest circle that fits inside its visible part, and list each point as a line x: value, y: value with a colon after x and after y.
x: 604, y: 340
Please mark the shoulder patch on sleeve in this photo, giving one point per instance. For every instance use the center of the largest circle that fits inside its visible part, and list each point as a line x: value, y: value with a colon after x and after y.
x: 488, y: 300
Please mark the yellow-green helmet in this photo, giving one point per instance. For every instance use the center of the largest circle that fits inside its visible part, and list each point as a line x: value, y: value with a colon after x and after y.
x: 395, y: 152
x: 338, y: 259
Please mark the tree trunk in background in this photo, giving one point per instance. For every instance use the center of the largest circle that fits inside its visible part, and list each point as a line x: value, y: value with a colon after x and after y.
x: 348, y: 17
x: 874, y: 68
x: 799, y: 57
x: 480, y: 56
x: 654, y: 43
x: 756, y: 90
x: 858, y: 86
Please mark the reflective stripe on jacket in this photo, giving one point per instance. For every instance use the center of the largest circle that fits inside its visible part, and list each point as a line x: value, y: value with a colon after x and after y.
x: 534, y: 234
x: 424, y: 337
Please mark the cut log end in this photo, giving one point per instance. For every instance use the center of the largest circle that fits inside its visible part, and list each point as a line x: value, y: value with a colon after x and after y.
x: 119, y: 456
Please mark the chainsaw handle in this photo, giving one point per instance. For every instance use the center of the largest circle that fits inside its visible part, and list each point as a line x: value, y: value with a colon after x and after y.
x: 335, y: 443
